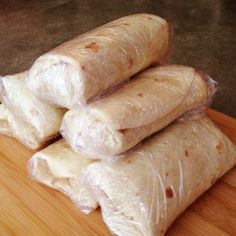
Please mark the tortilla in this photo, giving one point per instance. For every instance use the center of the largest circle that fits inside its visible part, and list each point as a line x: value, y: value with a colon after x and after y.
x: 57, y: 166
x: 143, y: 193
x: 84, y: 67
x: 152, y: 100
x: 29, y: 119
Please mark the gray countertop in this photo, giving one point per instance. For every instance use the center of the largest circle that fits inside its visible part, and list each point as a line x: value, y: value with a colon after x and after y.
x: 204, y: 33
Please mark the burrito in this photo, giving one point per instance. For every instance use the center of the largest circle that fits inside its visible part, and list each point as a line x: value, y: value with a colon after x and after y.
x: 57, y: 166
x: 152, y: 100
x: 27, y: 118
x: 143, y: 193
x: 84, y: 67
x: 13, y: 127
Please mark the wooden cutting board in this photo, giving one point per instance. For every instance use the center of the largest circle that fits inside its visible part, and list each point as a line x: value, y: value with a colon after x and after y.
x: 28, y: 208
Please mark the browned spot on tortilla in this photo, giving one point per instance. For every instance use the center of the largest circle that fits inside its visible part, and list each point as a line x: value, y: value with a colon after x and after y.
x: 167, y: 174
x: 129, y: 161
x: 140, y: 95
x: 162, y: 231
x: 65, y: 145
x: 167, y: 156
x: 135, y: 109
x: 186, y: 153
x: 213, y: 180
x: 122, y: 130
x: 34, y: 112
x: 126, y: 24
x: 159, y: 79
x: 83, y: 67
x: 131, y: 62
x: 169, y: 192
x: 219, y: 147
x: 93, y: 46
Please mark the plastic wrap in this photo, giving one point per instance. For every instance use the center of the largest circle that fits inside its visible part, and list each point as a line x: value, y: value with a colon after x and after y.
x: 29, y: 119
x: 152, y: 100
x: 143, y: 193
x: 5, y: 128
x: 57, y: 166
x: 76, y: 71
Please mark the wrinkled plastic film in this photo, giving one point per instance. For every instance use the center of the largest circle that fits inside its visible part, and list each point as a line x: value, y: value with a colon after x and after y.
x: 32, y: 121
x: 86, y: 66
x: 152, y: 100
x: 5, y: 128
x: 144, y: 193
x: 200, y: 111
x: 57, y: 166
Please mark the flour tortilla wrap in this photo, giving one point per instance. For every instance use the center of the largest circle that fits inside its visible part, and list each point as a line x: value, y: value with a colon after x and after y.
x: 152, y: 100
x: 57, y: 166
x: 143, y: 193
x: 31, y: 120
x: 18, y: 129
x: 76, y: 71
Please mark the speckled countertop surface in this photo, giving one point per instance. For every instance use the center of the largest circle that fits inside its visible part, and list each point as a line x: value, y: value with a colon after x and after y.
x: 204, y: 33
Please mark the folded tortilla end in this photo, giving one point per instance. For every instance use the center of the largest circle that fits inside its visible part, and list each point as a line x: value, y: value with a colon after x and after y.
x: 68, y: 73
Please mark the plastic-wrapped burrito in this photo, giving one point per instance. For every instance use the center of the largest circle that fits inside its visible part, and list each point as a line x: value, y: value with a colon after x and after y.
x: 151, y: 100
x: 27, y: 118
x: 57, y: 166
x: 13, y: 127
x: 143, y: 193
x: 80, y: 69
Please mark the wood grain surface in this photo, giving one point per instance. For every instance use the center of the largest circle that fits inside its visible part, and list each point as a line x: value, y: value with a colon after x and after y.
x: 28, y: 208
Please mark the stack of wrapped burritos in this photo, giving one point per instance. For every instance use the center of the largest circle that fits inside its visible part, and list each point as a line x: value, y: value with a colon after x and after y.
x: 135, y: 137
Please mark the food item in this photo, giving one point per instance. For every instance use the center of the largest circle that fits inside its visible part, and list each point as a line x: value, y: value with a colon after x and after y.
x: 27, y: 118
x: 152, y: 100
x: 57, y: 166
x: 84, y: 67
x: 11, y: 126
x: 143, y: 193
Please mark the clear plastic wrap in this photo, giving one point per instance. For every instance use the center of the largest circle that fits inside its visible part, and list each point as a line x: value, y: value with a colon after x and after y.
x: 143, y: 193
x: 29, y: 119
x: 57, y: 166
x: 5, y: 128
x: 153, y: 99
x: 76, y: 71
